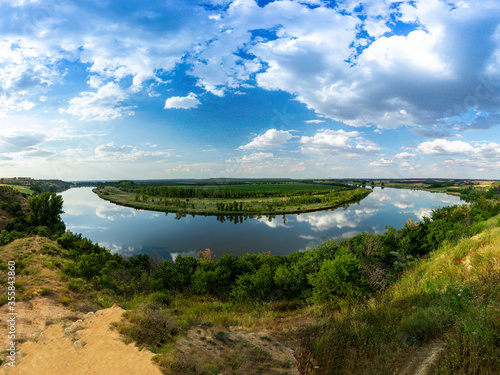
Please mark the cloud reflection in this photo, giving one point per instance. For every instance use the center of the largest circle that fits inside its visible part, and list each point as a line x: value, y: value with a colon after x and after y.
x: 112, y: 212
x: 274, y: 222
x: 121, y: 249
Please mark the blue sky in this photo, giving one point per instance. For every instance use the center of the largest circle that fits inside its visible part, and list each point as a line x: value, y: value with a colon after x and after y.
x: 104, y: 89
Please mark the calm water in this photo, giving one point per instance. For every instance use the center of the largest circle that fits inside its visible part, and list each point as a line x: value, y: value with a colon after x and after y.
x: 128, y: 231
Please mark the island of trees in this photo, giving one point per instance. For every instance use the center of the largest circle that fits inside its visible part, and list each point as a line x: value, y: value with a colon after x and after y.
x: 250, y: 198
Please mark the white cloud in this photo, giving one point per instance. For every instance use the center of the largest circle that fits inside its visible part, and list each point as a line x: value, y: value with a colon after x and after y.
x: 445, y: 147
x: 314, y: 121
x: 184, y: 102
x: 257, y: 157
x: 112, y: 152
x: 326, y: 140
x: 383, y: 162
x: 415, y: 79
x: 270, y: 139
x: 405, y: 155
x: 27, y: 69
x: 104, y: 104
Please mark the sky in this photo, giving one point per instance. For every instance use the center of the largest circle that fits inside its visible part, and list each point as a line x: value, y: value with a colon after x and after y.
x: 158, y: 89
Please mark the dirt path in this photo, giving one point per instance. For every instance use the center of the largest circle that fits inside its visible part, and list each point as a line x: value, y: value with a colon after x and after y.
x: 423, y: 359
x: 86, y: 347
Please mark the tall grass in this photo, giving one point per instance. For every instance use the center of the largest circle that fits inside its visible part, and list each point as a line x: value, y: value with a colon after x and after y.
x: 451, y: 295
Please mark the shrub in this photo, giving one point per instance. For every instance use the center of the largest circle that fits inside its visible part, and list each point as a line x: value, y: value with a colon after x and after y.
x: 160, y: 298
x: 67, y: 241
x: 149, y: 326
x: 254, y: 287
x: 338, y: 278
x: 46, y: 292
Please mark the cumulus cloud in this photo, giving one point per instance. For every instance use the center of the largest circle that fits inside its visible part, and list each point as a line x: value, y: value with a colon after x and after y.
x: 184, y: 102
x: 390, y: 80
x: 431, y: 133
x: 405, y: 155
x: 104, y: 104
x: 113, y: 152
x: 346, y: 62
x: 466, y: 158
x: 256, y: 157
x: 270, y: 139
x: 326, y: 140
x: 27, y: 70
x: 383, y: 162
x: 445, y: 147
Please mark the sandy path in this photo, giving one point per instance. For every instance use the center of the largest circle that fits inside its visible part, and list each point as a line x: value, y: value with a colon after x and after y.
x: 87, y: 347
x: 423, y: 359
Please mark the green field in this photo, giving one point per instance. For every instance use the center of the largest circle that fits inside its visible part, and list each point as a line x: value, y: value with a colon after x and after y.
x: 21, y: 188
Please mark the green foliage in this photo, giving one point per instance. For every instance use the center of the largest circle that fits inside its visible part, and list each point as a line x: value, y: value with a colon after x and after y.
x: 45, y: 209
x: 254, y: 286
x: 46, y: 292
x: 338, y: 278
x: 67, y: 241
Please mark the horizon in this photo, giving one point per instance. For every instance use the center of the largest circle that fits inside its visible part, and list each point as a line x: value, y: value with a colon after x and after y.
x: 95, y: 90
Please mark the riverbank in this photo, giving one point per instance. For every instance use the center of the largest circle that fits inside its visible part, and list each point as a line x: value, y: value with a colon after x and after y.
x: 239, y: 206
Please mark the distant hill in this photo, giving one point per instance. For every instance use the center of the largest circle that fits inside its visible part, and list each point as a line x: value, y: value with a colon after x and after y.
x: 37, y: 186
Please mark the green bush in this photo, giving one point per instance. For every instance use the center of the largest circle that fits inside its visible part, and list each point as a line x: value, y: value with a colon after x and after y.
x: 46, y: 292
x: 254, y: 287
x: 160, y: 298
x: 338, y: 278
x: 67, y: 241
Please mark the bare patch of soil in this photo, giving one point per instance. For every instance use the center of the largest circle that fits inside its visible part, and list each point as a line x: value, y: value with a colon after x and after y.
x: 88, y: 346
x: 33, y: 317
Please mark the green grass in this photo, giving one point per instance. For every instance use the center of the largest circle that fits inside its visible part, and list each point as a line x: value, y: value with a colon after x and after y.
x: 22, y: 189
x: 440, y: 298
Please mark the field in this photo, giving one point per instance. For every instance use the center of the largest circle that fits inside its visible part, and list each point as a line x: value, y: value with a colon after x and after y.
x: 246, y: 199
x: 21, y: 188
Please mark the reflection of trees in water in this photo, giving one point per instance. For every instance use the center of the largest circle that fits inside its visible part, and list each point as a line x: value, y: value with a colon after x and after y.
x: 236, y: 219
x: 239, y: 219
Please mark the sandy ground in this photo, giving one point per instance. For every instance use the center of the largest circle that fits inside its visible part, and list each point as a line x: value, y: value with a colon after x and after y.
x: 88, y: 346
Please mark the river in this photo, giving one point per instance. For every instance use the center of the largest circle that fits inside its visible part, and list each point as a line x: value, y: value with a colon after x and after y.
x: 130, y: 231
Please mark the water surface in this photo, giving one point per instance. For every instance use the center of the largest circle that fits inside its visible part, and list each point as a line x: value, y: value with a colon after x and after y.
x: 130, y: 231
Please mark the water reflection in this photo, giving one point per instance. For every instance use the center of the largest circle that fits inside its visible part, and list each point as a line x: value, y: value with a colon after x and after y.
x: 129, y: 231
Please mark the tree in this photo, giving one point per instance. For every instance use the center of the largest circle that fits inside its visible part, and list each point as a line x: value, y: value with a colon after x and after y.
x: 338, y: 278
x: 46, y: 210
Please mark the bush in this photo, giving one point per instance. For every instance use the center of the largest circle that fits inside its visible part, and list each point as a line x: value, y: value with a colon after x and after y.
x: 46, y: 292
x: 254, y: 287
x: 67, y: 241
x: 160, y: 298
x: 338, y: 278
x: 149, y: 326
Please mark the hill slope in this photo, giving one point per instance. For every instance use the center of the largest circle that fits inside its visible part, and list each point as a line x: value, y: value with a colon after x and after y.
x: 12, y: 204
